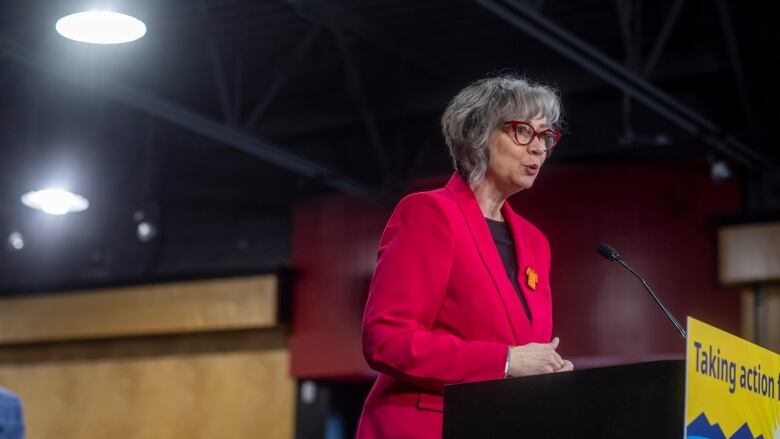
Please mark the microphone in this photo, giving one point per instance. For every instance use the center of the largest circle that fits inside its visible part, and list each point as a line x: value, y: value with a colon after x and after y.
x: 611, y: 254
x: 608, y: 252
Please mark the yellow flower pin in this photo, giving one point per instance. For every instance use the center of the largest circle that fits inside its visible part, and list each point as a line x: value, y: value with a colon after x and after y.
x: 532, y: 279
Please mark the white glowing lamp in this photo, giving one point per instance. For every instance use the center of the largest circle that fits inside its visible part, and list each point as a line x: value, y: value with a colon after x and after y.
x: 101, y: 27
x: 55, y: 201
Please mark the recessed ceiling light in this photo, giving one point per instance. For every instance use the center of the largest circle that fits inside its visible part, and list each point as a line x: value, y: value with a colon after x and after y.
x: 55, y: 201
x: 101, y: 27
x: 146, y: 231
x: 16, y: 240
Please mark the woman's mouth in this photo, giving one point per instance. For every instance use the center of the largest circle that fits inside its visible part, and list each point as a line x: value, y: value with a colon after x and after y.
x: 533, y: 168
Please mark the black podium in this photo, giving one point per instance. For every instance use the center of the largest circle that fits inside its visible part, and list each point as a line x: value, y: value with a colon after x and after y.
x: 644, y: 400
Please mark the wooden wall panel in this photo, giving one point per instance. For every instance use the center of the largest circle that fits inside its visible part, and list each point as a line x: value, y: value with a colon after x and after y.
x: 761, y: 316
x: 749, y: 253
x: 747, y: 306
x: 224, y: 385
x: 771, y: 298
x: 181, y: 307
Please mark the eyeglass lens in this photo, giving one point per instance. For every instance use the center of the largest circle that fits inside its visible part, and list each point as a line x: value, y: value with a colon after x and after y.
x: 525, y: 134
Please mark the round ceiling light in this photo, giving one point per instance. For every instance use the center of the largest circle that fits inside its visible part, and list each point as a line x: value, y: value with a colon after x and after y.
x: 16, y: 240
x: 101, y: 27
x: 146, y: 231
x: 55, y: 201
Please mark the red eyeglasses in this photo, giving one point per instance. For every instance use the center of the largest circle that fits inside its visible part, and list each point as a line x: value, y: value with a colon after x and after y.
x: 525, y: 134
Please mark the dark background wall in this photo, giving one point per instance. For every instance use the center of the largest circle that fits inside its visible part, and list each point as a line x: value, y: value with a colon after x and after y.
x: 334, y: 243
x: 660, y: 216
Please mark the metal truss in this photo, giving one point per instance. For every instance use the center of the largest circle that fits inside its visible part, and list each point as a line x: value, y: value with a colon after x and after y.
x: 575, y: 49
x: 206, y: 127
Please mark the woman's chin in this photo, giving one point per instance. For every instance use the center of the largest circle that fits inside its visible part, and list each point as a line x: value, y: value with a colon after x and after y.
x: 524, y: 182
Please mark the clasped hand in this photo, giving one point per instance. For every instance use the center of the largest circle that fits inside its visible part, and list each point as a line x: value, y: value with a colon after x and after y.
x: 537, y: 358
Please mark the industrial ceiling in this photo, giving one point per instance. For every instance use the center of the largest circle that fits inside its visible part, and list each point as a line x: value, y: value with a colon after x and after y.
x: 227, y: 113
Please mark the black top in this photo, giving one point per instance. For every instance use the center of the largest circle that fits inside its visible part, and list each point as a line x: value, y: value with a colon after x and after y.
x: 502, y: 236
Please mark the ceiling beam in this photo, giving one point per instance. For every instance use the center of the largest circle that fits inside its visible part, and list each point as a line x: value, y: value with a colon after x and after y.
x: 217, y: 68
x: 735, y: 60
x: 432, y: 100
x: 327, y: 13
x: 663, y: 37
x: 604, y: 67
x: 298, y: 55
x: 206, y: 127
x: 358, y: 93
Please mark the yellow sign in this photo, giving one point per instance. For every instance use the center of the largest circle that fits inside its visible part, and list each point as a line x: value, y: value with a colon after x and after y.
x: 732, y: 386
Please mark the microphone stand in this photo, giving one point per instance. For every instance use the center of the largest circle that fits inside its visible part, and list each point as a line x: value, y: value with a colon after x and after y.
x: 657, y: 300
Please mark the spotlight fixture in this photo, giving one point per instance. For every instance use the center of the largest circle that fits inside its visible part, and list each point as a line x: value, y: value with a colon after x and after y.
x: 146, y: 231
x: 145, y: 227
x: 55, y: 201
x: 720, y: 171
x: 15, y: 241
x: 101, y: 27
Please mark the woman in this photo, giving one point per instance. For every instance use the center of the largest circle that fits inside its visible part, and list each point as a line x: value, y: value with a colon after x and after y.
x: 461, y: 289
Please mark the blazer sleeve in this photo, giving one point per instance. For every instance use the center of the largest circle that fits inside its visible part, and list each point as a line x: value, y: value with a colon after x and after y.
x: 407, y: 290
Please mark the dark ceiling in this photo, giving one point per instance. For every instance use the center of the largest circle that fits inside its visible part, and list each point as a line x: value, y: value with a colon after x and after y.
x: 228, y: 112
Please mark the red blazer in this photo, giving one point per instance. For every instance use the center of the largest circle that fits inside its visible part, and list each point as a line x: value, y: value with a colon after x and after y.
x: 442, y: 310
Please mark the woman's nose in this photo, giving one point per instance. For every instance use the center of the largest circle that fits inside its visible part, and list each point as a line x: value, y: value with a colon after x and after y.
x: 536, y: 146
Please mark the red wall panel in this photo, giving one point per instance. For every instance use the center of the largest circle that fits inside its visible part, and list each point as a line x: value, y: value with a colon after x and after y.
x: 658, y: 216
x: 334, y: 246
x: 660, y: 219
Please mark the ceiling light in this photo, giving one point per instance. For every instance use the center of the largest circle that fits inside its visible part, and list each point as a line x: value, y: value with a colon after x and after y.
x: 101, y: 27
x: 146, y: 231
x: 16, y: 241
x: 55, y: 201
x: 720, y: 171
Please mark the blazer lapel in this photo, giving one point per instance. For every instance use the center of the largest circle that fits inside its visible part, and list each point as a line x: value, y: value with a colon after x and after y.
x: 483, y: 239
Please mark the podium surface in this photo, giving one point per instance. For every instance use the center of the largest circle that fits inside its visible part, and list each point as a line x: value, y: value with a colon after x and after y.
x: 644, y: 400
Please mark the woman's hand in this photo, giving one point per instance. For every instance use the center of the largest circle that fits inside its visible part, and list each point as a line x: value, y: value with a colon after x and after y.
x: 537, y: 358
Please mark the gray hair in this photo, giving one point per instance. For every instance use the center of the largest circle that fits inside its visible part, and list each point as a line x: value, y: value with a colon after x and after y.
x: 483, y: 106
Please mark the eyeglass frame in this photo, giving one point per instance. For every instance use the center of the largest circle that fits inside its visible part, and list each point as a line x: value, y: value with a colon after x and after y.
x: 557, y: 135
